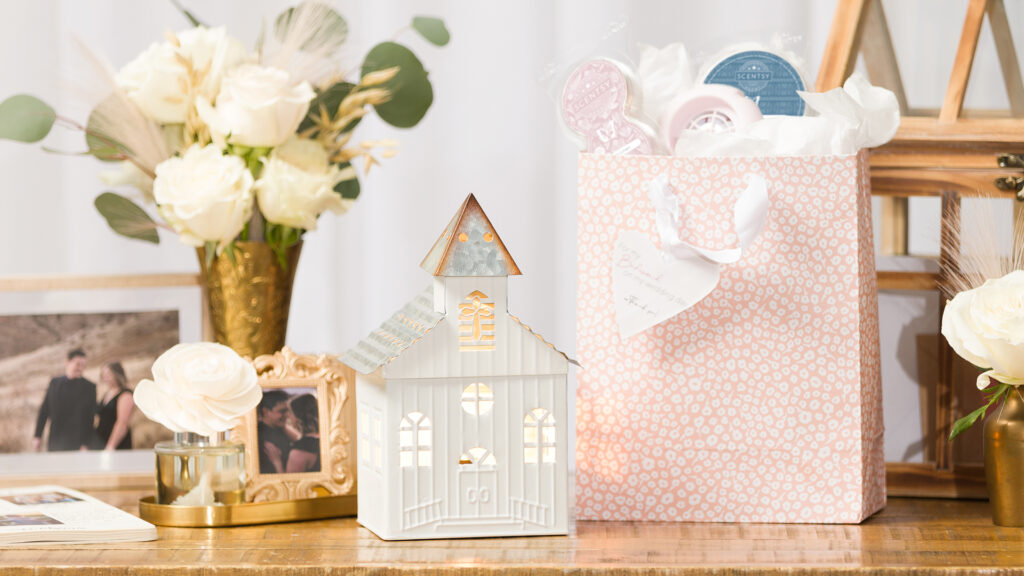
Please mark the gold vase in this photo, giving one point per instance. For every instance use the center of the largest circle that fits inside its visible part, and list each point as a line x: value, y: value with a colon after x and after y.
x: 1004, y: 460
x: 249, y: 298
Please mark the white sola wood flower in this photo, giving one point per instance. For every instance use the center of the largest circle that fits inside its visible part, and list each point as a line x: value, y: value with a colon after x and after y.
x: 199, y: 387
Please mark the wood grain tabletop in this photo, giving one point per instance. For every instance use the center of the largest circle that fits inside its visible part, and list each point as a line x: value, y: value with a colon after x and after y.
x: 909, y: 537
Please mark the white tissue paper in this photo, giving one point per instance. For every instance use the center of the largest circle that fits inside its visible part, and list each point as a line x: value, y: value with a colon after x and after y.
x: 662, y: 74
x: 856, y: 116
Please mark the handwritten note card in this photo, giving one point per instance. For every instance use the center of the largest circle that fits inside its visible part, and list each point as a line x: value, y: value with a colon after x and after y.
x: 650, y: 287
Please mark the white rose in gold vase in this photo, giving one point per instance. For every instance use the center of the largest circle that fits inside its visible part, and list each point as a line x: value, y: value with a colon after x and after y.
x: 258, y: 106
x: 201, y: 387
x: 297, y: 185
x: 985, y: 326
x: 196, y: 119
x: 204, y: 195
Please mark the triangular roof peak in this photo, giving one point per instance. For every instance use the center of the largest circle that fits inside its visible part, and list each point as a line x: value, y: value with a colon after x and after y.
x: 469, y: 246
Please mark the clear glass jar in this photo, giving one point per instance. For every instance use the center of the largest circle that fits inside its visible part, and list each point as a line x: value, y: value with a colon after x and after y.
x: 196, y: 470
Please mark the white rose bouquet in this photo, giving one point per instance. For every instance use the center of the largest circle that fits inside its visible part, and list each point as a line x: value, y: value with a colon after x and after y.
x: 985, y: 326
x: 232, y: 145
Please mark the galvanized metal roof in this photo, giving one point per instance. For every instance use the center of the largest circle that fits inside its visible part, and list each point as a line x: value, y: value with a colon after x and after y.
x: 412, y: 322
x: 469, y: 246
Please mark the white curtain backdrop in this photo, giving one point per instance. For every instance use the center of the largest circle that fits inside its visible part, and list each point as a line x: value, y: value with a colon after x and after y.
x: 493, y: 131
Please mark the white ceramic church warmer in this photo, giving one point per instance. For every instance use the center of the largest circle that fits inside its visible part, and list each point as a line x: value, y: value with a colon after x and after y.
x: 462, y: 409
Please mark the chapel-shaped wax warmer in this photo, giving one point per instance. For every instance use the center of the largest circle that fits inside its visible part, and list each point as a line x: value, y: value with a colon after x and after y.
x: 462, y: 409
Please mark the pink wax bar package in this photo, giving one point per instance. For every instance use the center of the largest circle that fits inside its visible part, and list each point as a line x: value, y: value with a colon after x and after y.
x: 597, y: 104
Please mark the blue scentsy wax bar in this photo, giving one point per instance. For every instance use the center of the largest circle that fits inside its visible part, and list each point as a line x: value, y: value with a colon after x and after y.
x: 765, y: 78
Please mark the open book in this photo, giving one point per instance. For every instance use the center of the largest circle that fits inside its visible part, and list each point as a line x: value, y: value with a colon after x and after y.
x: 58, y: 514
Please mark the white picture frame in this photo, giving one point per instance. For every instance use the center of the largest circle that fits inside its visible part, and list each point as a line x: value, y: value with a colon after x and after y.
x: 44, y: 295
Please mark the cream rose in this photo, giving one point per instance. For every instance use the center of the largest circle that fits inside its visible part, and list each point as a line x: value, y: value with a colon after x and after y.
x: 985, y: 326
x: 204, y: 195
x: 158, y: 82
x: 199, y: 387
x: 297, y: 185
x: 257, y: 106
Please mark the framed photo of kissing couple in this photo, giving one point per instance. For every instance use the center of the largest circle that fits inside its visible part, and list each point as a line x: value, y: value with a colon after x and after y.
x: 297, y: 441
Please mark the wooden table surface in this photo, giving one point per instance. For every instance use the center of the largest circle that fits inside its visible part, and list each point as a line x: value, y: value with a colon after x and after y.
x: 911, y: 536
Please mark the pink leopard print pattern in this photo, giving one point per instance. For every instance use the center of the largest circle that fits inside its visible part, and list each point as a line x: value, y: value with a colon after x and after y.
x: 762, y: 403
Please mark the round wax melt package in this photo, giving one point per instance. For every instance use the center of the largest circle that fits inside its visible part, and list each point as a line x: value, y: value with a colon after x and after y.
x: 709, y: 108
x: 766, y: 78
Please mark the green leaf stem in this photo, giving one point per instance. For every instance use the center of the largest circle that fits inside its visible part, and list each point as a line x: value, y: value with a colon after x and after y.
x: 967, y: 421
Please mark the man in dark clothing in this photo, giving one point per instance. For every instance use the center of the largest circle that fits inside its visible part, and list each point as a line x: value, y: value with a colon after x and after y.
x: 69, y: 405
x: 271, y: 433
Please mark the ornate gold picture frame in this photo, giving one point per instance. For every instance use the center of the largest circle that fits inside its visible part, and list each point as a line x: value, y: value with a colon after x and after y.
x: 332, y: 383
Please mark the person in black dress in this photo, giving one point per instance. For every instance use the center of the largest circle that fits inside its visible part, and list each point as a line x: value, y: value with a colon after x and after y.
x: 305, y: 453
x: 272, y: 431
x: 69, y: 406
x: 114, y: 410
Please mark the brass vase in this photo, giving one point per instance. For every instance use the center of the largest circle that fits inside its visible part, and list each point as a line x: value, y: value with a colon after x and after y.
x: 1004, y: 460
x: 249, y: 297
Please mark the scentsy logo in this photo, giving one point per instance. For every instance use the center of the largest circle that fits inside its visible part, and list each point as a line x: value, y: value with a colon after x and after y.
x: 753, y: 76
x: 591, y: 95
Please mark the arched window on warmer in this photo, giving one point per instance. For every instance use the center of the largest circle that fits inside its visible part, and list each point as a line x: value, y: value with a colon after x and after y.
x: 414, y: 440
x: 476, y: 322
x: 538, y: 437
x: 478, y: 457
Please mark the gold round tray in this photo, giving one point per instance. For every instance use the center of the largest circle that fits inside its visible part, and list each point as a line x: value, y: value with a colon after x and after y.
x: 243, y: 514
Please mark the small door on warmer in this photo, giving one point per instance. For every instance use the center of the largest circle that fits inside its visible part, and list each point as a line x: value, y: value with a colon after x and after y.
x: 478, y: 484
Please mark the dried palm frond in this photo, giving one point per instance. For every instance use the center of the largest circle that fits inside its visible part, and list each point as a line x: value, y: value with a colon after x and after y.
x: 116, y: 121
x: 982, y: 245
x: 305, y: 43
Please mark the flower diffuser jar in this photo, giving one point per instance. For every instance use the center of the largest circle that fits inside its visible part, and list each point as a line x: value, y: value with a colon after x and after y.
x: 195, y: 470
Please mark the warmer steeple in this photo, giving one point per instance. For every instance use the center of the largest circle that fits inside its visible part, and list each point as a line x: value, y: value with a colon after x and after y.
x: 469, y: 246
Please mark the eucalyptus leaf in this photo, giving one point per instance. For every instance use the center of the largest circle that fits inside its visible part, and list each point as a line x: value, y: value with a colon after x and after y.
x: 433, y: 29
x: 126, y: 218
x: 411, y: 92
x: 25, y: 118
x: 349, y: 189
x: 330, y: 98
x: 322, y: 29
x: 188, y: 15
